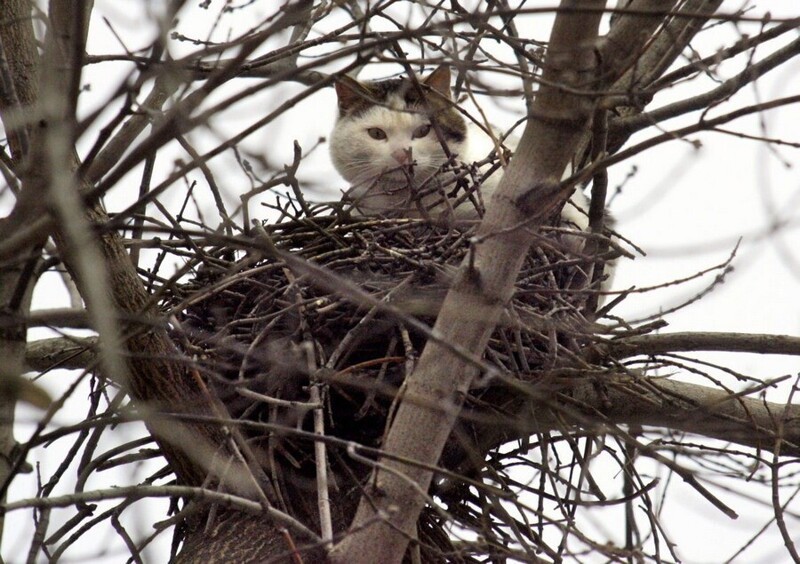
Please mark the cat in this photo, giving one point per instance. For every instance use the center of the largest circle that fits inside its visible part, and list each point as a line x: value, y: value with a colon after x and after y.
x: 407, y: 151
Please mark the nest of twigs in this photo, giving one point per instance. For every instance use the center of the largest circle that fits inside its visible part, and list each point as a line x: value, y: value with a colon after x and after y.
x: 349, y: 310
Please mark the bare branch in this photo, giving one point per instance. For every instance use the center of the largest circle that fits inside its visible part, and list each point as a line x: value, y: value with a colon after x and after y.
x: 61, y: 352
x: 751, y: 73
x: 17, y: 278
x: 164, y: 86
x: 673, y: 342
x: 141, y: 491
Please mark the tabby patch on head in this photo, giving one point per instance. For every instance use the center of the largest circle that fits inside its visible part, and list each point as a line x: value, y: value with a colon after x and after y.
x: 385, y: 143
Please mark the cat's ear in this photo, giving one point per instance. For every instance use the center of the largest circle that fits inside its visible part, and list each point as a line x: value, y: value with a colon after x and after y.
x: 350, y: 93
x: 439, y: 80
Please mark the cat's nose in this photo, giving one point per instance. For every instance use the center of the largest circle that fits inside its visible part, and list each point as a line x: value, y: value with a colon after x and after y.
x: 402, y: 156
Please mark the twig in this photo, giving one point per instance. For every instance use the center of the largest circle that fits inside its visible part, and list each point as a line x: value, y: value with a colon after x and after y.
x: 141, y: 491
x: 775, y: 472
x: 698, y: 341
x: 321, y: 458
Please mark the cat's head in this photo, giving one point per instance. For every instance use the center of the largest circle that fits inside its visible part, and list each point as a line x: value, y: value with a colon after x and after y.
x: 386, y: 132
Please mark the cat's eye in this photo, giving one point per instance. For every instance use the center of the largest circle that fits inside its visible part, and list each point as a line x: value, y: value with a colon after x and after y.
x: 421, y: 131
x: 376, y: 133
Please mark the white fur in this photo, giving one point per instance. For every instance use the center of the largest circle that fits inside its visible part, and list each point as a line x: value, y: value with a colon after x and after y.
x: 380, y: 185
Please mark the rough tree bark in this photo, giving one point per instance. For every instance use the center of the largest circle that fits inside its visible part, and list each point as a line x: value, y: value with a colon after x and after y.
x: 18, y: 88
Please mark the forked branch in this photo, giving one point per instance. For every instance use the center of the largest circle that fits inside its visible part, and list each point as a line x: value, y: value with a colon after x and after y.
x: 526, y: 195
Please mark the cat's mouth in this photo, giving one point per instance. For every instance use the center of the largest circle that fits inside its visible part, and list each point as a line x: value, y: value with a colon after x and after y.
x: 411, y: 173
x: 389, y: 178
x: 399, y: 172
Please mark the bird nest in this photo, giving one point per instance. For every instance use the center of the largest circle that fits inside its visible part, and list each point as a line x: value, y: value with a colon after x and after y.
x: 348, y: 303
x: 356, y: 298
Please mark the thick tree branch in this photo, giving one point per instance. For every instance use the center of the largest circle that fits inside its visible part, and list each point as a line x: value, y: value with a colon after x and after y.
x: 70, y: 353
x: 702, y: 410
x: 53, y: 150
x: 19, y: 41
x: 624, y: 399
x: 632, y: 27
x: 164, y: 86
x: 703, y: 125
x: 161, y: 381
x: 674, y: 342
x: 667, y: 46
x: 657, y: 54
x: 17, y: 278
x: 527, y: 194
